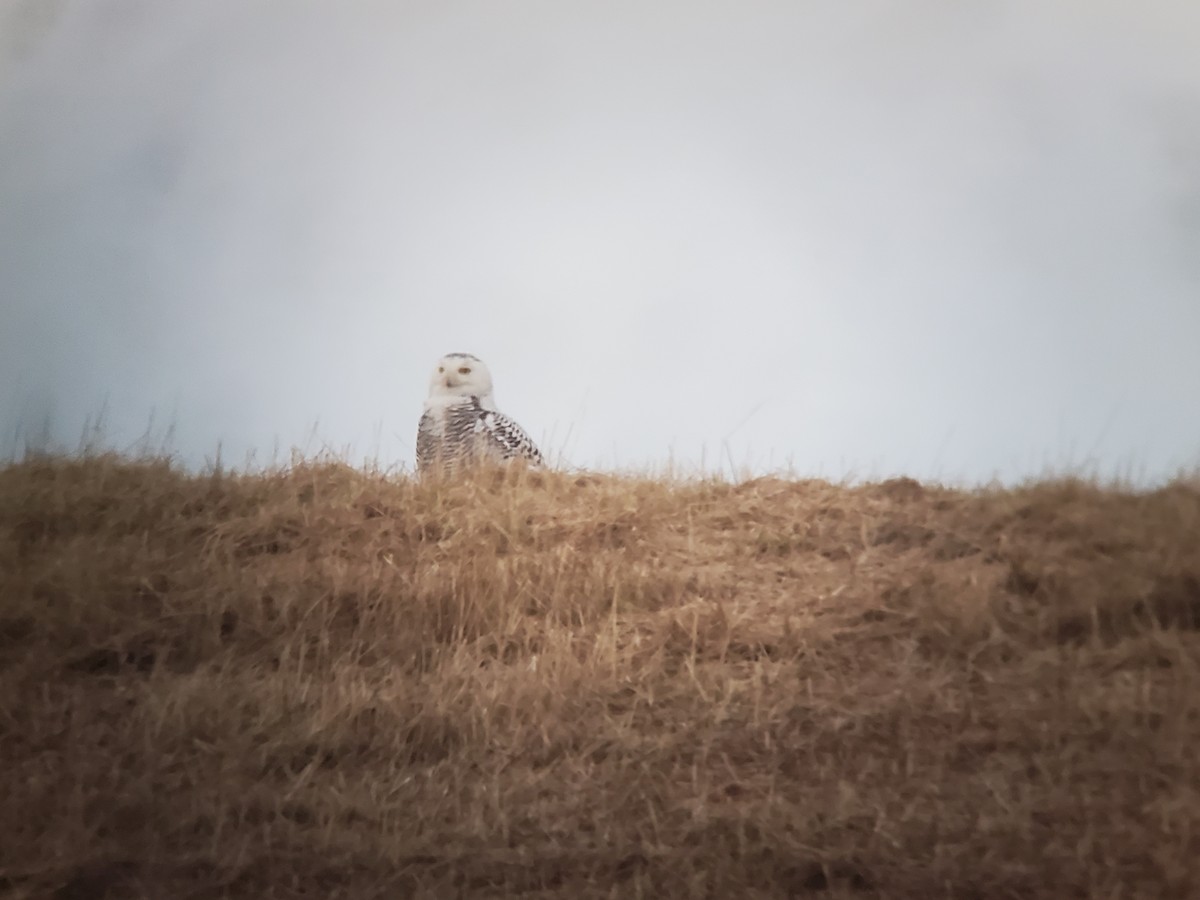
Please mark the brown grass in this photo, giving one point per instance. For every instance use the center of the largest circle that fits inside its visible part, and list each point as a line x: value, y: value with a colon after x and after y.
x: 330, y: 683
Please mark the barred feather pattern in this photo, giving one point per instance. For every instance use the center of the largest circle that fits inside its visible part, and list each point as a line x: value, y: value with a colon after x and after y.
x: 452, y: 437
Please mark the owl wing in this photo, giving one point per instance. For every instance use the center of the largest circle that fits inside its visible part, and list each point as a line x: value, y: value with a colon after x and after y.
x: 427, y: 442
x: 506, y: 438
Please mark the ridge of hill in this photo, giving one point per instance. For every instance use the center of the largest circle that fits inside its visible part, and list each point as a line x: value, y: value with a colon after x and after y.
x: 327, y: 682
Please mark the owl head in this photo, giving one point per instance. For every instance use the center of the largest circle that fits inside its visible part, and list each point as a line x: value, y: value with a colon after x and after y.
x: 460, y: 375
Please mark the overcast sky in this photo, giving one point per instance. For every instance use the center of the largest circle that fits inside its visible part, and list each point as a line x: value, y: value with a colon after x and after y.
x: 953, y: 240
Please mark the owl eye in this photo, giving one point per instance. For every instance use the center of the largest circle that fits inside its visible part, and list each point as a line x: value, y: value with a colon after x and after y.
x: 441, y: 369
x: 464, y: 371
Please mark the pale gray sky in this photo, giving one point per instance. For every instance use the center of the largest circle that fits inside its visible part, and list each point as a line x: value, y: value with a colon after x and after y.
x: 946, y: 239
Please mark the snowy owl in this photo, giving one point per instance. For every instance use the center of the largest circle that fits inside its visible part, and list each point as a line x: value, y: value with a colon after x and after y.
x: 461, y: 425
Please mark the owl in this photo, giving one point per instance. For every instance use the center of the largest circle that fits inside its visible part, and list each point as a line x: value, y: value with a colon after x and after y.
x: 461, y: 425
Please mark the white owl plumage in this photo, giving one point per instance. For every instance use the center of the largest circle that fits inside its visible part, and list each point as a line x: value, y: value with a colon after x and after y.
x: 461, y: 425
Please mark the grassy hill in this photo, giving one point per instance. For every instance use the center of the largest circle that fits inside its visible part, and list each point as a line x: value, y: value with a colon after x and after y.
x: 322, y: 682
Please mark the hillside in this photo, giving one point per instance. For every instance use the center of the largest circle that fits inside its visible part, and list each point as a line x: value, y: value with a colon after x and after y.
x: 322, y: 682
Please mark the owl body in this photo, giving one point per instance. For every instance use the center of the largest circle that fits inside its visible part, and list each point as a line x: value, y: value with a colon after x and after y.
x: 460, y: 425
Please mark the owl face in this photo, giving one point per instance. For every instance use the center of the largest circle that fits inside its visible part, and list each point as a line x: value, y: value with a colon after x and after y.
x: 460, y: 375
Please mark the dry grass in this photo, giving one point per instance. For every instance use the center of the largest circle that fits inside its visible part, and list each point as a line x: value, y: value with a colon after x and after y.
x: 329, y: 683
